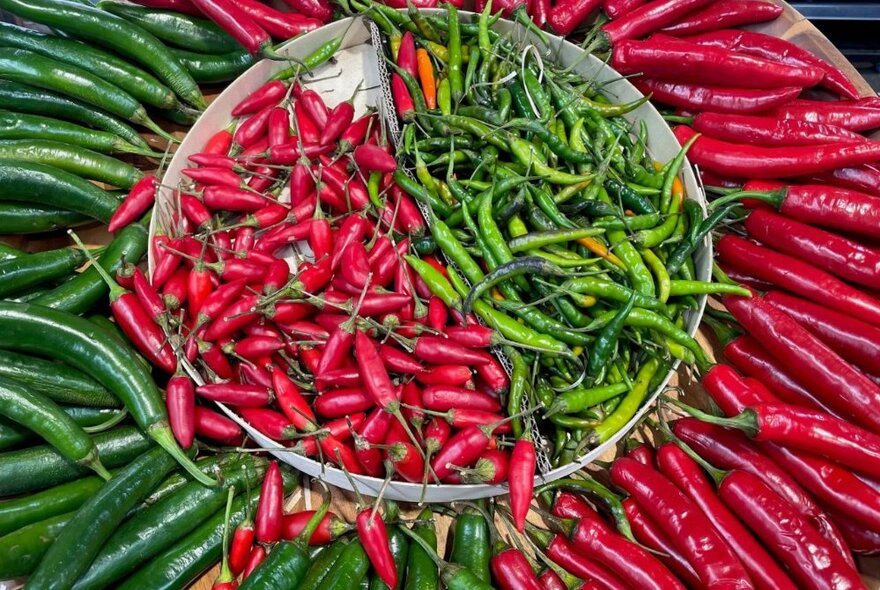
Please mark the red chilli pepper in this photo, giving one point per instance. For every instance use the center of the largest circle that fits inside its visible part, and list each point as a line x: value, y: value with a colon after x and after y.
x: 688, y: 476
x: 374, y: 538
x: 269, y: 94
x: 214, y: 426
x: 848, y: 259
x: 849, y: 337
x: 371, y: 158
x: 512, y: 571
x: 241, y: 546
x: 715, y: 98
x: 648, y: 18
x: 219, y: 143
x: 281, y: 25
x: 329, y: 529
x: 439, y: 350
x: 319, y: 9
x: 669, y: 58
x: 597, y: 551
x: 180, y: 398
x: 138, y: 200
x: 752, y: 359
x: 441, y: 398
x: 232, y: 19
x: 567, y: 15
x: 406, y: 55
x: 651, y: 536
x: 811, y: 431
x: 725, y: 14
x: 798, y: 277
x: 825, y: 206
x: 831, y: 378
x: 257, y: 556
x: 270, y: 507
x: 781, y: 50
x: 688, y: 527
x: 373, y: 374
x: 521, y: 474
x: 732, y: 450
x: 844, y: 114
x: 355, y: 134
x: 618, y: 8
x: 237, y: 394
x: 771, y: 132
x: 729, y: 159
x: 812, y: 561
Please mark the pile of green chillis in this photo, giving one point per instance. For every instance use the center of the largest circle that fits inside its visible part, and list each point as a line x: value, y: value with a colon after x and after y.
x: 565, y: 236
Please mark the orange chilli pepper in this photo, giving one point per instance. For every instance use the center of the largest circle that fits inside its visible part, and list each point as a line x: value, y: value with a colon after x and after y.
x: 426, y: 76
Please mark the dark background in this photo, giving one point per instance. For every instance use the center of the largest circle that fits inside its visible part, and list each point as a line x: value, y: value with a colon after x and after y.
x: 854, y: 27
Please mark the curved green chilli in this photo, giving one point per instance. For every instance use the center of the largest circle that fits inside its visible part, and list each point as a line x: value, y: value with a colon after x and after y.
x: 44, y: 417
x: 180, y: 564
x: 470, y: 543
x: 607, y: 340
x: 323, y: 565
x: 79, y: 542
x: 23, y: 98
x: 519, y: 382
x: 636, y: 270
x: 22, y: 550
x: 436, y: 282
x: 39, y: 467
x: 141, y: 85
x: 24, y: 272
x: 456, y: 252
x: 421, y: 571
x: 22, y: 219
x: 629, y: 406
x: 91, y: 24
x: 20, y: 65
x: 23, y: 126
x: 209, y: 69
x: 56, y: 381
x: 80, y: 294
x: 516, y: 332
x: 81, y: 344
x: 74, y: 159
x: 46, y: 185
x: 55, y: 501
x: 160, y: 525
x: 531, y: 265
x: 91, y: 419
x: 350, y: 569
x: 182, y: 30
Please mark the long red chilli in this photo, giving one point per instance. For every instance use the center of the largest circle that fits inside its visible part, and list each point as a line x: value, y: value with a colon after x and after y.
x: 696, y: 97
x: 812, y: 561
x: 688, y: 527
x: 725, y: 14
x: 651, y: 536
x: 831, y: 378
x: 849, y: 337
x: 669, y: 58
x: 688, y: 476
x: 770, y: 131
x: 780, y: 50
x: 521, y: 478
x: 798, y: 277
x: 845, y: 258
x: 649, y: 17
x: 729, y: 159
